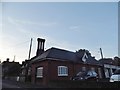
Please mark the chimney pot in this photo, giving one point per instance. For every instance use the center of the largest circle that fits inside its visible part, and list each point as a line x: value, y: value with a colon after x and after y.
x: 40, y: 48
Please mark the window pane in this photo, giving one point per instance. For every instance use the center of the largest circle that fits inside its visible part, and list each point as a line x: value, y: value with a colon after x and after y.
x: 62, y: 71
x: 40, y: 72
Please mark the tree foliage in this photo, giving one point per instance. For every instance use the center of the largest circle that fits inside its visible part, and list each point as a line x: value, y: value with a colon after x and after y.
x: 117, y: 60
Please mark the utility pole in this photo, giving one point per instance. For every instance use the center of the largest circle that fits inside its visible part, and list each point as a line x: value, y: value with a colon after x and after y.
x: 30, y: 49
x: 101, y: 53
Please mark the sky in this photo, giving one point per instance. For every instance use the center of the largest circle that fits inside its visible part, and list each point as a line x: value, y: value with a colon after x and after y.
x: 66, y: 25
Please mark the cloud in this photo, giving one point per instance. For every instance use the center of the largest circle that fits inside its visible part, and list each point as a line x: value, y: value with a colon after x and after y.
x: 76, y: 27
x: 52, y: 42
x: 26, y: 22
x: 12, y: 21
x: 21, y: 27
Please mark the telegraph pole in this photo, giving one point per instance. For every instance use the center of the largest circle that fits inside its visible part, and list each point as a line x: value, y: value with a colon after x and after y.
x: 30, y: 49
x: 101, y: 53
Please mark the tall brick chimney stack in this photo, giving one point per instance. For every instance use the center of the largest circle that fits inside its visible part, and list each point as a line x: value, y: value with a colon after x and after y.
x: 40, y: 48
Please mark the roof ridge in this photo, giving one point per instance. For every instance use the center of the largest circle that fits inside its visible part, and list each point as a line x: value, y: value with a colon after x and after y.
x: 62, y: 49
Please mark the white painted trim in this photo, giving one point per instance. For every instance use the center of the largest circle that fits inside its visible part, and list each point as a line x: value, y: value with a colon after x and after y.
x: 83, y: 58
x: 65, y: 67
x: 111, y: 66
x: 39, y: 76
x: 62, y: 74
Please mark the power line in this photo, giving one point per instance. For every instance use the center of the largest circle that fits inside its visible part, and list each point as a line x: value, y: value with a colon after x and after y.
x: 19, y: 44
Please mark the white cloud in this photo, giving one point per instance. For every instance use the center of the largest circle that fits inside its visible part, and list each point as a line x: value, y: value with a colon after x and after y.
x: 26, y: 22
x: 7, y: 45
x: 74, y: 27
x: 52, y: 42
x: 21, y: 27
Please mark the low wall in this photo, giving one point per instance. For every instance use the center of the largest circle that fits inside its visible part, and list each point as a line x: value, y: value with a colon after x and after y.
x: 82, y: 84
x: 14, y: 78
x: 22, y: 79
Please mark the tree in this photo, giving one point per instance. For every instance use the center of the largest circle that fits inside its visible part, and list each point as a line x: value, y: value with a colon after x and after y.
x: 10, y: 68
x: 117, y: 60
x: 83, y: 51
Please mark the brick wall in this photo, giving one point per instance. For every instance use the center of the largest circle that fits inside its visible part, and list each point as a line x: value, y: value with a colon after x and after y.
x: 50, y: 70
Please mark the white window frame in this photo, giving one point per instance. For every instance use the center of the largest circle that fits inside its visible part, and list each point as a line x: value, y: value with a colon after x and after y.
x: 39, y: 72
x: 61, y: 69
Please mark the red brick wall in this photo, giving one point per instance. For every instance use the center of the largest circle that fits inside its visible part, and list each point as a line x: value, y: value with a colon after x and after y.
x: 43, y: 80
x: 73, y: 69
x: 50, y: 70
x: 53, y: 70
x: 78, y: 67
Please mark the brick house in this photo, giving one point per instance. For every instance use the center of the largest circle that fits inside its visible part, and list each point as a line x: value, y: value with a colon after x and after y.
x: 10, y: 70
x: 58, y: 64
x: 109, y: 67
x: 25, y: 72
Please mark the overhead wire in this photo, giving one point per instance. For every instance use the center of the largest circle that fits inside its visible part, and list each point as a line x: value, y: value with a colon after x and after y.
x: 18, y: 44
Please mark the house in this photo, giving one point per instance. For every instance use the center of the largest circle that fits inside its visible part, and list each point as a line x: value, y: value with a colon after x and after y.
x: 25, y: 72
x: 10, y: 70
x: 109, y: 66
x: 59, y: 64
x: 25, y: 75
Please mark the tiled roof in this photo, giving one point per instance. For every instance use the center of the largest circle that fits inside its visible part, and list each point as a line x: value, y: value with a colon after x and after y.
x: 56, y: 53
x: 106, y: 61
x: 65, y: 55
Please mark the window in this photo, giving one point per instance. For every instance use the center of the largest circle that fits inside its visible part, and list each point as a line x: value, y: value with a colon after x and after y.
x: 106, y: 73
x: 83, y: 68
x: 39, y: 72
x: 92, y: 68
x: 62, y: 71
x: 29, y: 71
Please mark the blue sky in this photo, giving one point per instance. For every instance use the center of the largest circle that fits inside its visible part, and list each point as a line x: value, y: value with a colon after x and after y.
x: 69, y: 25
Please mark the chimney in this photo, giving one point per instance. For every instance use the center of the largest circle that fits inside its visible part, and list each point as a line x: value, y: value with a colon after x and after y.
x: 40, y: 47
